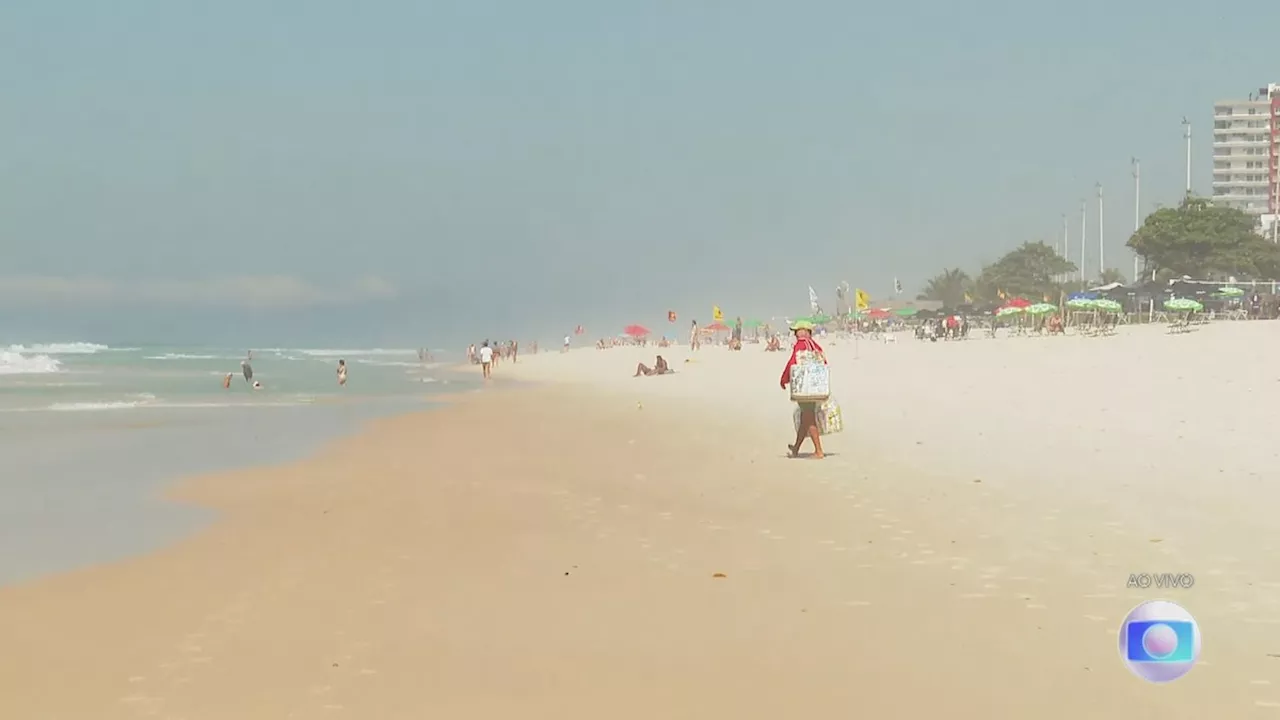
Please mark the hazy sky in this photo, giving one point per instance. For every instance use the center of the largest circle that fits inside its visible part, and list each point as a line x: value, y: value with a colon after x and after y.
x: 425, y: 172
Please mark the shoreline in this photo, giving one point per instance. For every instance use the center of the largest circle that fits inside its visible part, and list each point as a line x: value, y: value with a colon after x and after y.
x: 547, y: 546
x: 105, y: 497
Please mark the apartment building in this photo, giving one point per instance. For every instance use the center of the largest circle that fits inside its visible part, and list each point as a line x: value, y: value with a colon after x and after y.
x: 1246, y: 153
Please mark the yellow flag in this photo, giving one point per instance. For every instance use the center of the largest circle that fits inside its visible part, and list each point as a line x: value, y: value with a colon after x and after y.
x: 716, y: 313
x: 1001, y: 294
x: 861, y: 300
x: 968, y: 298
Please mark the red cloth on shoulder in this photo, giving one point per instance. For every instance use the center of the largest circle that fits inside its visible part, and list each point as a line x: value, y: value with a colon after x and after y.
x: 806, y: 345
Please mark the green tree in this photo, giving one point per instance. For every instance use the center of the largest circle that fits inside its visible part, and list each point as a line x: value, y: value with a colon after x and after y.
x: 1111, y: 275
x: 948, y: 287
x: 1031, y: 271
x: 1205, y: 241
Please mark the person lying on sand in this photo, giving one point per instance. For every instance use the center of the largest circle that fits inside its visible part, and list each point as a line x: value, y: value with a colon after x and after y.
x: 659, y: 368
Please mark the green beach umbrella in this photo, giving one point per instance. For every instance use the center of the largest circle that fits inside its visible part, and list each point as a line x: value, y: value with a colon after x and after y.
x: 752, y: 324
x: 820, y: 319
x: 1081, y: 304
x: 1042, y: 309
x: 905, y: 312
x: 1106, y: 305
x: 1183, y: 305
x: 1007, y: 311
x: 1230, y: 292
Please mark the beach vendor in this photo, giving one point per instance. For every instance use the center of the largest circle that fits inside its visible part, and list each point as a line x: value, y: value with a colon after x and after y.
x: 808, y: 427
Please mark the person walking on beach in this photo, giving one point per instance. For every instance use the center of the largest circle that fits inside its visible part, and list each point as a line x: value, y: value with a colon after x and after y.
x: 486, y: 359
x: 566, y: 344
x: 808, y: 410
x: 342, y: 373
x: 694, y: 341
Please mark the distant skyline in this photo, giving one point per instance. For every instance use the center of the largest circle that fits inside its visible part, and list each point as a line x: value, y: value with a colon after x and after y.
x: 413, y: 173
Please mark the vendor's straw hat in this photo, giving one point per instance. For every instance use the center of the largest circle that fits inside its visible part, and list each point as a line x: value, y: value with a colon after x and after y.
x: 802, y: 325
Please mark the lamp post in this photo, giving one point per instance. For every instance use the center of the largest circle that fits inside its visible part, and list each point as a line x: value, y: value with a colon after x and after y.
x: 1186, y: 135
x: 1137, y: 207
x: 1102, y: 252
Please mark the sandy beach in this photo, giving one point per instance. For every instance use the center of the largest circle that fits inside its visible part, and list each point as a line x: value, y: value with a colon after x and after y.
x: 573, y: 542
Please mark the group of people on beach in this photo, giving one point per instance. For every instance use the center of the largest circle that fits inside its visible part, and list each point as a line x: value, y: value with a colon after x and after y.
x: 246, y: 369
x: 489, y: 353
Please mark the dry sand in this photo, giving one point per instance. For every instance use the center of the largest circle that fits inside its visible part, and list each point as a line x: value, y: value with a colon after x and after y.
x: 550, y: 551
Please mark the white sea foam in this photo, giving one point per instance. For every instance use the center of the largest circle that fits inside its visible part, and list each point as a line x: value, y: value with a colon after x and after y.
x: 91, y: 406
x: 354, y: 353
x: 15, y: 363
x: 184, y: 356
x: 71, y: 348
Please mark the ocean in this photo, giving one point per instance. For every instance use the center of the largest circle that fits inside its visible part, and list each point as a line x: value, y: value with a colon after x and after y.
x: 91, y: 434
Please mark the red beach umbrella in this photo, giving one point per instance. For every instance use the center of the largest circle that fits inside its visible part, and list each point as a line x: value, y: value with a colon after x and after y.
x: 636, y: 331
x: 1019, y: 303
x: 716, y: 327
x: 878, y: 314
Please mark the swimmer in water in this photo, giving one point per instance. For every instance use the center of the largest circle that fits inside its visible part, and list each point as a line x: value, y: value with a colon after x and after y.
x: 226, y: 381
x: 257, y: 385
x: 342, y: 373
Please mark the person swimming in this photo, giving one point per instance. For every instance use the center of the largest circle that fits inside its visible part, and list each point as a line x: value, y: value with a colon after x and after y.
x: 226, y: 381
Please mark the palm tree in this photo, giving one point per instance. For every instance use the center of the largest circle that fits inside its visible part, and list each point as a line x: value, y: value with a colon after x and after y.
x: 948, y: 287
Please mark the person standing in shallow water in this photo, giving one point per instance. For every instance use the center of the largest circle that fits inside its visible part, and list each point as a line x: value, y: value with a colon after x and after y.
x: 808, y: 409
x: 342, y: 373
x: 246, y: 369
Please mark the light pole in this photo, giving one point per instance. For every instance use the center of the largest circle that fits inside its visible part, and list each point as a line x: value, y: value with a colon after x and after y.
x: 1066, y: 242
x: 1186, y: 135
x: 1137, y: 208
x: 1102, y: 253
x: 1084, y: 218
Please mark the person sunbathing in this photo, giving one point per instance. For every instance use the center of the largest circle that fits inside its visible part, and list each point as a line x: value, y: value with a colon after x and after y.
x: 1055, y: 325
x: 774, y: 345
x: 660, y: 367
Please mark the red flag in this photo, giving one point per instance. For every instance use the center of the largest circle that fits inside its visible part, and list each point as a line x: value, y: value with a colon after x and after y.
x: 671, y: 316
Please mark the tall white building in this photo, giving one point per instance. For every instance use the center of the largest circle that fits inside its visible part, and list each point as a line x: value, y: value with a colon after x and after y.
x: 1246, y: 154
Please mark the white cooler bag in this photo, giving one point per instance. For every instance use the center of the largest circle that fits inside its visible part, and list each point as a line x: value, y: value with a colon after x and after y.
x: 810, y: 379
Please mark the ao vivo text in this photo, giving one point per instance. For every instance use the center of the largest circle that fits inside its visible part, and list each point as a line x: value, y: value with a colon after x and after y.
x: 1161, y: 581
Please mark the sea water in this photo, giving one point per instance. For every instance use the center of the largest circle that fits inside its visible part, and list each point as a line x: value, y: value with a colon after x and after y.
x: 91, y: 434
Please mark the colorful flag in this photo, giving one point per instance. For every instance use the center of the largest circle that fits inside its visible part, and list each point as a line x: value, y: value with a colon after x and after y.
x: 716, y: 313
x: 814, y: 307
x: 671, y: 316
x: 968, y: 298
x: 861, y: 301
x: 897, y: 286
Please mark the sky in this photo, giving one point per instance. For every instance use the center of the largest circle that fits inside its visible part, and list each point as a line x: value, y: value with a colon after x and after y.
x: 429, y: 173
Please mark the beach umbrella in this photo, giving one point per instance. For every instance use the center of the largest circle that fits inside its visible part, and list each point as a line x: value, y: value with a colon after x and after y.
x: 1230, y: 292
x: 1183, y: 305
x: 1081, y: 303
x: 716, y: 327
x: 1018, y: 303
x: 905, y: 312
x: 1106, y: 305
x: 752, y: 324
x: 820, y: 319
x: 1042, y: 309
x: 635, y: 331
x: 1008, y: 310
x: 878, y: 314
